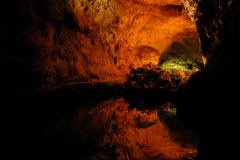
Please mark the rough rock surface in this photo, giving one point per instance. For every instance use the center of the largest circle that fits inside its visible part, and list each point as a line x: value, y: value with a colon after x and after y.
x: 203, y: 105
x: 47, y: 43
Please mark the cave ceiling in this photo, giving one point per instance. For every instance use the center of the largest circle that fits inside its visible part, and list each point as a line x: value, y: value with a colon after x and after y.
x: 83, y: 40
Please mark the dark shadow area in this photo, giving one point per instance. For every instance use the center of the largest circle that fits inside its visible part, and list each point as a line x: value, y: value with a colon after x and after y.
x: 62, y: 124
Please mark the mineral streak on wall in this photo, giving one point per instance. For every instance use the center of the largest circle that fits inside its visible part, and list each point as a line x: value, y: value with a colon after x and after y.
x: 190, y: 6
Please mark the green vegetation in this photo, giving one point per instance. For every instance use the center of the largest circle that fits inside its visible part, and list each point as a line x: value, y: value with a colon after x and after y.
x: 178, y: 62
x: 171, y: 112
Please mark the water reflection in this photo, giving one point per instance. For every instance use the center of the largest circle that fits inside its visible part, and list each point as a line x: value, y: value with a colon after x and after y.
x: 105, y: 129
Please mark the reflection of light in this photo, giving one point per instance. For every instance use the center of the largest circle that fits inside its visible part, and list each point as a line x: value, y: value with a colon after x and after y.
x: 204, y: 60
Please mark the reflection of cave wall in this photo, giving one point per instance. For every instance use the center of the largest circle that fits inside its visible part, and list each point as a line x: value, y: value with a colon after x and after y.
x: 57, y: 42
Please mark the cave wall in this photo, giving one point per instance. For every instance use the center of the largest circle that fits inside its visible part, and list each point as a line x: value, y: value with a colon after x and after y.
x: 213, y: 90
x: 217, y: 25
x: 45, y: 43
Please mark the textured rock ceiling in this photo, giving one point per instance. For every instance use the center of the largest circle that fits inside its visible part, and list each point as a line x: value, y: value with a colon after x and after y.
x: 67, y: 41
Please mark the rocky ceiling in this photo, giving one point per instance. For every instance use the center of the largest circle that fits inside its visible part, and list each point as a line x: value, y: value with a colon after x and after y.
x: 56, y: 42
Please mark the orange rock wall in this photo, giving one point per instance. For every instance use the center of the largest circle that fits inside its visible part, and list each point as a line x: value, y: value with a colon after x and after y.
x: 67, y: 41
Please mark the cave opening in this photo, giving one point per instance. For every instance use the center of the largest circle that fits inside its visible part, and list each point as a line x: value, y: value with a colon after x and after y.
x: 175, y: 57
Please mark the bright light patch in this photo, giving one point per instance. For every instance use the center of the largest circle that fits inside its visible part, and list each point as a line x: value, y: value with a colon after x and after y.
x: 178, y: 63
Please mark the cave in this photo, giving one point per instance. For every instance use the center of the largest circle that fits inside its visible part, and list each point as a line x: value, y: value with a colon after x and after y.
x: 119, y: 79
